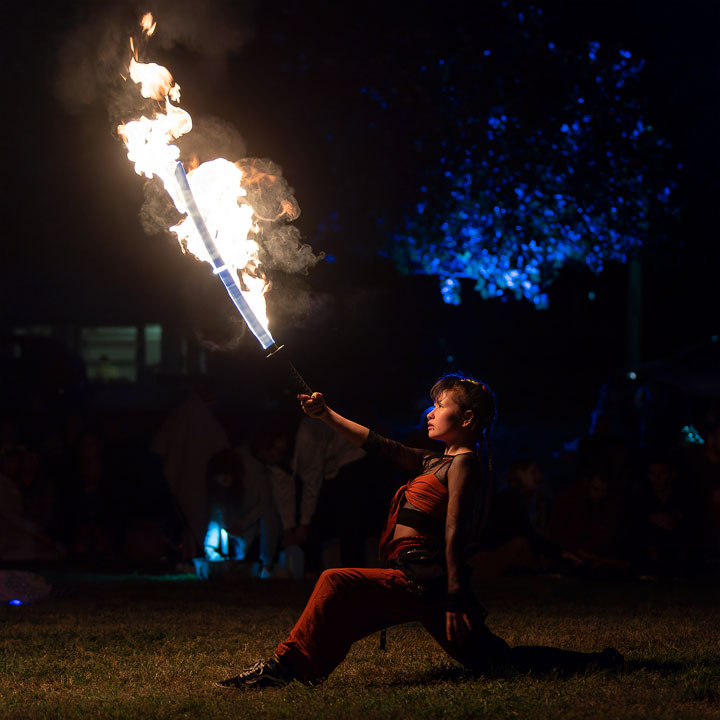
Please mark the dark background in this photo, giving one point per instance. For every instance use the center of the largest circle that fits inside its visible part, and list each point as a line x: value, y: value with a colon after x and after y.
x: 73, y: 249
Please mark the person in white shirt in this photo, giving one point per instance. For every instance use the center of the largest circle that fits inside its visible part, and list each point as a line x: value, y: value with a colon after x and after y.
x: 305, y: 461
x: 242, y: 507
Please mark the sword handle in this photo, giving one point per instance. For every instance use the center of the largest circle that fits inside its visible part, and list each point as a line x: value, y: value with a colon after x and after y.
x: 304, y: 387
x: 300, y: 380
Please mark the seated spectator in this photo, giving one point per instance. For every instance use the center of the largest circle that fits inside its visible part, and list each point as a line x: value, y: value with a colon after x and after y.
x: 146, y: 524
x: 26, y: 467
x: 85, y: 505
x: 664, y: 520
x: 526, y: 481
x: 20, y: 537
x: 588, y: 523
x: 36, y: 489
x: 705, y: 469
x: 8, y: 434
x: 242, y: 508
x: 316, y: 479
x: 513, y: 538
x: 605, y: 447
x: 188, y: 437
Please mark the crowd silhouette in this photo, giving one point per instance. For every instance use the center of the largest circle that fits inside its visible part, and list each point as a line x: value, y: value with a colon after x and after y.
x: 286, y: 499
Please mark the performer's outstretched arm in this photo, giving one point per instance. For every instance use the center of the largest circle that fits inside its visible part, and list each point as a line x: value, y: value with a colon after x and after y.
x: 315, y: 406
x: 408, y: 460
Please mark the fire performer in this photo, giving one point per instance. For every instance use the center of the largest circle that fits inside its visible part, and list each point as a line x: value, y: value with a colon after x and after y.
x: 424, y: 548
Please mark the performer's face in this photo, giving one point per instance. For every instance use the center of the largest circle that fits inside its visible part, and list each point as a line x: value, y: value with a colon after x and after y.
x: 446, y: 420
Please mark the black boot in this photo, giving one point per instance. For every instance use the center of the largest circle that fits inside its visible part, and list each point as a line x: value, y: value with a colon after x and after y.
x: 262, y: 674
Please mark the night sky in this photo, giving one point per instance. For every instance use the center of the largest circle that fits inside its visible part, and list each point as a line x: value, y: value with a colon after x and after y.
x: 293, y: 79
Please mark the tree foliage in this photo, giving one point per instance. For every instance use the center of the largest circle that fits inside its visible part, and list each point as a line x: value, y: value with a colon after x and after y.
x: 537, y: 156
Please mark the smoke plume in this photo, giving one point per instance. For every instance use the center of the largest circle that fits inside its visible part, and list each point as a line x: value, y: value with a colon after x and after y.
x: 94, y: 55
x: 91, y: 65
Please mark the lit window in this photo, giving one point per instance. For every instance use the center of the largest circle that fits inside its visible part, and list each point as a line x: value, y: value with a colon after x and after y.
x: 110, y: 353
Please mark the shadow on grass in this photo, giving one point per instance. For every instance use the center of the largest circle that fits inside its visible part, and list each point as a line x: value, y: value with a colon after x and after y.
x: 664, y: 667
x: 458, y: 674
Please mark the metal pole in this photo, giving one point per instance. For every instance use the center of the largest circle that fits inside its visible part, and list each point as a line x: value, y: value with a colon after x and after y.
x: 634, y: 314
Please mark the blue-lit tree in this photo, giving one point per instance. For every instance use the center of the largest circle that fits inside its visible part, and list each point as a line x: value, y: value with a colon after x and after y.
x: 537, y: 157
x: 515, y: 146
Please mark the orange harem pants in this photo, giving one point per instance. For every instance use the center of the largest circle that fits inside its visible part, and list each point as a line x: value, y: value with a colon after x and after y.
x: 350, y: 603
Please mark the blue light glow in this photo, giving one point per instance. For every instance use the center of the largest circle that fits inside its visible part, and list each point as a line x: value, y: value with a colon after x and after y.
x: 450, y: 289
x: 216, y: 542
x: 15, y: 602
x: 508, y: 201
x: 691, y: 436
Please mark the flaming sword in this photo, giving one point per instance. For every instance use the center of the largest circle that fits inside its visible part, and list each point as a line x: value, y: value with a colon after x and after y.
x: 228, y: 277
x: 148, y: 142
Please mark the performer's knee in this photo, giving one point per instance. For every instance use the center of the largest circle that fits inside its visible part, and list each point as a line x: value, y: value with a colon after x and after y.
x: 329, y: 581
x: 338, y: 581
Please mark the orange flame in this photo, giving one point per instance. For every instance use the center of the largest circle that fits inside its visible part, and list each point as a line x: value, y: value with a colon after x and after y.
x: 216, y: 185
x: 155, y: 81
x: 148, y: 24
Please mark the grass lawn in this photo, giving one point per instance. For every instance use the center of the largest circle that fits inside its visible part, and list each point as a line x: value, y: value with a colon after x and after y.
x: 151, y: 648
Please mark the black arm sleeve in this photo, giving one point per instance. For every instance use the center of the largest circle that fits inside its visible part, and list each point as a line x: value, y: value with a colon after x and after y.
x: 463, y: 486
x: 408, y: 460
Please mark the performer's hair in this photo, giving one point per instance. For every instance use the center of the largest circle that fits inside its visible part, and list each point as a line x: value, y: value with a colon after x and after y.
x: 473, y: 395
x: 476, y: 396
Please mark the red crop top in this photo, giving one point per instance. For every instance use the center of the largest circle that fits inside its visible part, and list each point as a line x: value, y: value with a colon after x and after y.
x: 427, y: 493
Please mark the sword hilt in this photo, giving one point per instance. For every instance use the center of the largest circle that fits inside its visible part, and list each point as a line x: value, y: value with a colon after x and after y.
x: 304, y: 387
